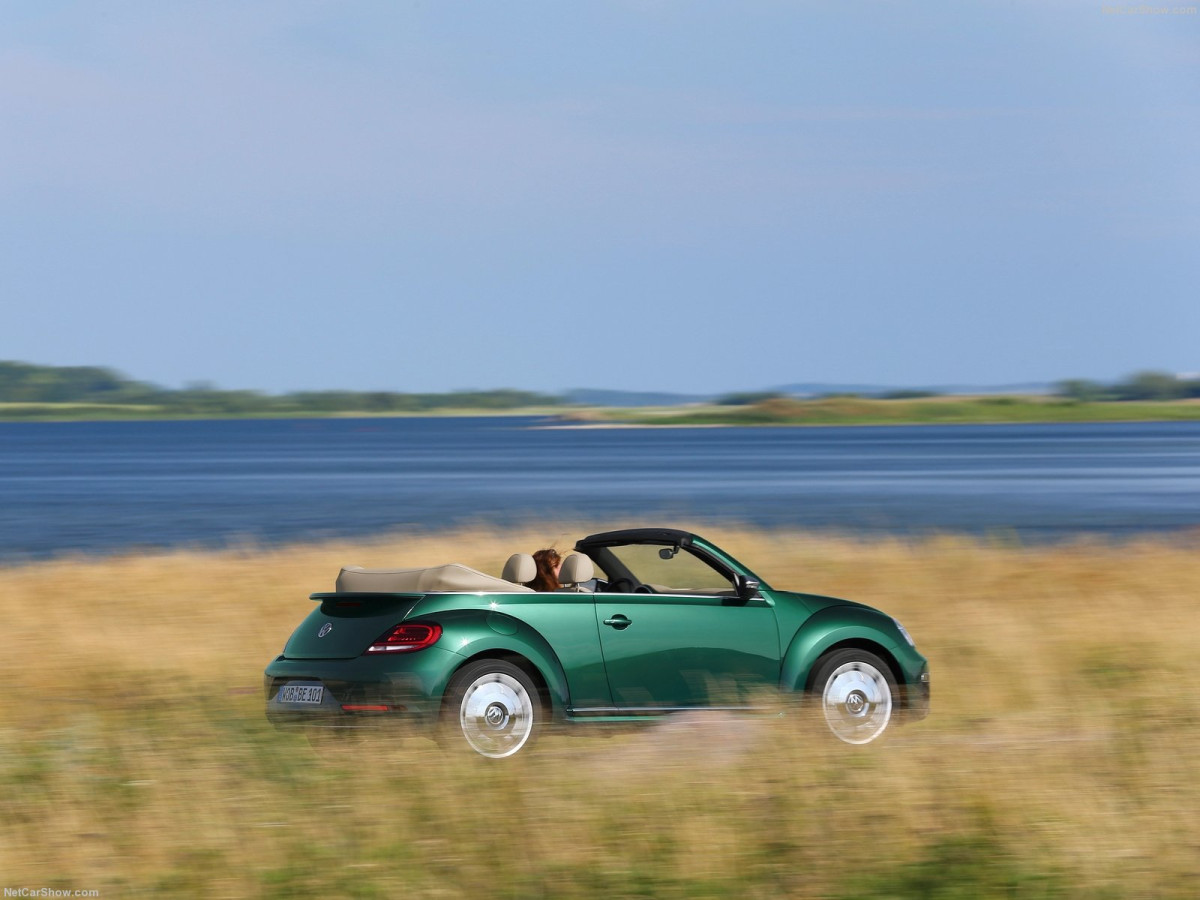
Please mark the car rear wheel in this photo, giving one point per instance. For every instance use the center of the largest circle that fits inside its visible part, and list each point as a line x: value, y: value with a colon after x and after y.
x: 857, y: 692
x: 493, y: 705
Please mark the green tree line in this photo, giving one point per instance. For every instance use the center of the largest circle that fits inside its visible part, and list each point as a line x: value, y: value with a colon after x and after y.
x: 1142, y: 386
x: 25, y: 383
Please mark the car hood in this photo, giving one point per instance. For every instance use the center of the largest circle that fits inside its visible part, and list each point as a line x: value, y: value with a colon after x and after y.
x: 815, y: 602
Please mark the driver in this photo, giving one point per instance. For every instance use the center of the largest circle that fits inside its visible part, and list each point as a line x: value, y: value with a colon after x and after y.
x: 549, y: 562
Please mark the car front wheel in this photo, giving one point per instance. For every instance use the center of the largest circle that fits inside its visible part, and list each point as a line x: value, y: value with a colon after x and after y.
x: 494, y: 705
x: 857, y: 690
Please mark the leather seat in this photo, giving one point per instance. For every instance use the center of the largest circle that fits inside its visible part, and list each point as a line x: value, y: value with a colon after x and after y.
x: 576, y: 569
x: 520, y: 569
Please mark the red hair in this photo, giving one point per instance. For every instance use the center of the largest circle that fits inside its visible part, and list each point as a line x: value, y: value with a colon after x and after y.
x: 546, y: 578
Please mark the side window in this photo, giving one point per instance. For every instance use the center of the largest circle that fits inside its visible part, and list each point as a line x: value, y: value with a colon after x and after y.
x: 666, y: 570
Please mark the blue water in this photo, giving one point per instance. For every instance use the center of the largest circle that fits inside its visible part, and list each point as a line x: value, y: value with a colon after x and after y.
x: 107, y: 486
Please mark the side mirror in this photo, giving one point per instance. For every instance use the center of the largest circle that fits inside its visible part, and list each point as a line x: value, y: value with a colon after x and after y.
x: 747, y: 588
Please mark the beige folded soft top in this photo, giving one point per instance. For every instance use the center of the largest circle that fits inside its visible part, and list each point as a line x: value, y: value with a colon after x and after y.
x: 450, y: 577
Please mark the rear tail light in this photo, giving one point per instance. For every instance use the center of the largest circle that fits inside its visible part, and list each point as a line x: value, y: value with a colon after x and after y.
x: 405, y: 638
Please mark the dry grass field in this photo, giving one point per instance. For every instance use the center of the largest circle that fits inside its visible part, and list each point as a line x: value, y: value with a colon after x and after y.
x: 1061, y: 759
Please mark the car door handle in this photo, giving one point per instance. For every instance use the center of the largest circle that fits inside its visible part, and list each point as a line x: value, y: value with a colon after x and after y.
x: 618, y: 622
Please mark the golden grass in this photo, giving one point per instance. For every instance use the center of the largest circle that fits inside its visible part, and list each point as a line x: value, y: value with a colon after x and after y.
x: 1062, y: 757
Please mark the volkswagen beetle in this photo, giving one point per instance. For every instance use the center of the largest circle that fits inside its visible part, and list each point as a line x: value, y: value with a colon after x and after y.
x: 650, y: 621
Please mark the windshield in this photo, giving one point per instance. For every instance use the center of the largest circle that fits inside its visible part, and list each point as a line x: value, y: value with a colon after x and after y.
x: 668, y: 569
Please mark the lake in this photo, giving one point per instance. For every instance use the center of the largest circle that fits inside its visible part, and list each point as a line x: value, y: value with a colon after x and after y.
x: 108, y: 486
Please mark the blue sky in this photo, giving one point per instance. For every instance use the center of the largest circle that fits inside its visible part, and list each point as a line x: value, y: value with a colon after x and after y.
x: 638, y: 194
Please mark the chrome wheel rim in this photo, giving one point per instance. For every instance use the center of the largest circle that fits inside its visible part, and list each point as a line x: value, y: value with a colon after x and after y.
x: 858, y: 702
x: 496, y: 715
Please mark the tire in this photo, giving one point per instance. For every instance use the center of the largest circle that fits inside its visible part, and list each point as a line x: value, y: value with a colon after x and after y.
x: 494, y: 706
x: 857, y: 693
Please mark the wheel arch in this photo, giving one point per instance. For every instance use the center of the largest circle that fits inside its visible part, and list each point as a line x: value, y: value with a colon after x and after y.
x: 832, y: 629
x: 498, y: 636
x: 856, y: 643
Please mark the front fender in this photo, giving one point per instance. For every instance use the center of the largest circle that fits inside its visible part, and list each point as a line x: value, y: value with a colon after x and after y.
x: 836, y: 625
x: 472, y: 633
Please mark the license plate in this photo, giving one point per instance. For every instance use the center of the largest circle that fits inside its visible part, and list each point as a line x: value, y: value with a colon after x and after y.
x: 301, y: 693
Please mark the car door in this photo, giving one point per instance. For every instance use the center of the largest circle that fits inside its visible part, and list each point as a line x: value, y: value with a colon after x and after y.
x: 567, y: 623
x: 691, y: 642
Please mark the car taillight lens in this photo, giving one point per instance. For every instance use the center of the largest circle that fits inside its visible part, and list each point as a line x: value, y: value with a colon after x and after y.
x: 405, y: 638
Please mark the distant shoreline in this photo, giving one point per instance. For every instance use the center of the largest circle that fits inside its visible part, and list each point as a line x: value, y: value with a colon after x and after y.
x: 941, y: 410
x: 825, y: 411
x: 76, y: 412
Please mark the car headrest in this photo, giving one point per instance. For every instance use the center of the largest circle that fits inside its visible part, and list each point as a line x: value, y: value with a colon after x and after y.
x: 519, y: 569
x: 575, y: 569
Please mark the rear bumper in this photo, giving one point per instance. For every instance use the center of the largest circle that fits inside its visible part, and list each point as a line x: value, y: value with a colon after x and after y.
x: 359, y: 693
x: 383, y: 710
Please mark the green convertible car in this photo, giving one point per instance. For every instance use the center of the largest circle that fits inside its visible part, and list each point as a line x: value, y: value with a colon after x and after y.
x: 650, y: 621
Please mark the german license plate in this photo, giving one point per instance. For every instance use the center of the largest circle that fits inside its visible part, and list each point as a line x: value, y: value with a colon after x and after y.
x: 301, y: 693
